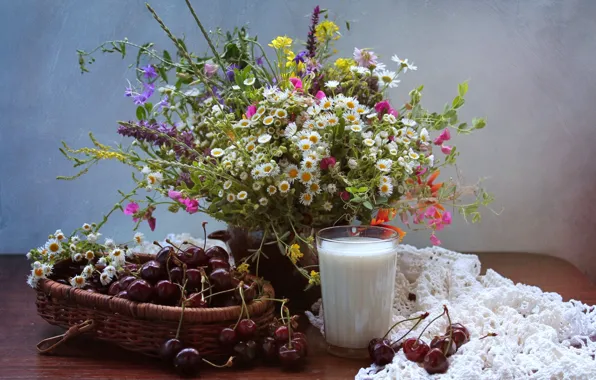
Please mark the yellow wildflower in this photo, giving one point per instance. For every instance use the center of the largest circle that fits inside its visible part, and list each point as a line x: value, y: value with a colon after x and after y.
x: 344, y: 64
x: 243, y: 268
x: 295, y: 253
x: 101, y: 154
x: 315, y: 278
x: 326, y: 31
x: 281, y: 42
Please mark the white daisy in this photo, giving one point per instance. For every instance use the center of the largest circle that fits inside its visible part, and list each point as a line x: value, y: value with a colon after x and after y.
x: 139, y: 237
x: 75, y: 239
x: 304, y: 145
x: 47, y: 269
x: 424, y: 136
x: 309, y: 165
x: 331, y: 84
x: 385, y: 179
x: 321, y: 122
x: 77, y: 257
x: 331, y: 120
x: 109, y: 243
x: 362, y: 110
x: 306, y: 177
x: 371, y: 115
x: 88, y: 271
x: 351, y: 103
x: 249, y: 81
x: 413, y: 155
x: 326, y: 104
x: 292, y: 172
x: 250, y: 147
x: 242, y: 124
x: 129, y: 253
x: 352, y: 163
x: 271, y: 189
x: 331, y: 188
x: 77, y: 281
x: 227, y: 184
x: 431, y: 160
x: 59, y: 235
x: 243, y: 176
x: 268, y: 169
x: 38, y: 273
x: 408, y: 122
x: 356, y: 128
x: 393, y: 151
x: 242, y: 195
x: 231, y: 197
x: 146, y: 170
x: 32, y: 281
x: 290, y: 130
x: 385, y: 189
x: 105, y: 279
x: 217, y: 152
x: 102, y: 261
x: 351, y: 117
x: 306, y: 198
x: 268, y: 120
x: 388, y: 78
x: 369, y: 142
x: 360, y: 70
x: 408, y: 66
x: 89, y: 255
x: 314, y: 188
x: 118, y: 256
x: 263, y: 201
x: 284, y: 187
x: 281, y: 113
x: 154, y: 178
x: 327, y: 206
x: 309, y: 124
x: 264, y: 138
x: 257, y: 186
x: 53, y: 246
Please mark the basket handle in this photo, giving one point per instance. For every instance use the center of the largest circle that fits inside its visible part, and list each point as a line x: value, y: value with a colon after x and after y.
x: 49, y: 344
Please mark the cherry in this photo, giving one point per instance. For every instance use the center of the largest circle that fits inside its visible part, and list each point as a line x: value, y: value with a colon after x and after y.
x: 114, y: 288
x: 218, y: 263
x: 435, y: 362
x: 151, y: 271
x: 442, y: 343
x: 123, y: 294
x: 246, y: 352
x: 282, y: 334
x: 221, y: 279
x: 164, y: 254
x: 125, y: 281
x: 415, y: 349
x: 131, y: 267
x: 269, y: 350
x: 382, y: 353
x: 246, y: 329
x: 196, y: 300
x: 297, y: 334
x: 459, y: 338
x: 169, y: 349
x: 188, y: 362
x: 193, y: 276
x: 227, y: 337
x: 167, y: 292
x: 371, y: 345
x: 458, y: 326
x: 300, y: 345
x: 140, y: 290
x: 217, y: 252
x: 193, y: 257
x: 176, y: 274
x: 248, y: 292
x: 289, y: 356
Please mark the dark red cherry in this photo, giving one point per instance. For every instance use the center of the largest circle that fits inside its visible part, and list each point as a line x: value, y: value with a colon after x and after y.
x: 289, y: 356
x: 152, y: 271
x: 176, y: 275
x: 228, y: 337
x: 140, y: 290
x: 123, y: 294
x: 269, y: 350
x: 188, y: 362
x: 382, y: 353
x: 443, y: 344
x: 196, y: 300
x: 167, y: 292
x: 218, y: 263
x: 282, y: 334
x: 221, y: 279
x: 125, y: 281
x: 459, y: 338
x: 458, y: 326
x: 217, y: 252
x: 372, y: 344
x: 164, y: 254
x: 193, y: 277
x: 193, y: 257
x: 298, y: 334
x: 300, y: 345
x: 131, y: 267
x: 435, y: 362
x: 415, y: 349
x: 246, y: 329
x: 245, y: 353
x: 114, y: 288
x: 169, y: 349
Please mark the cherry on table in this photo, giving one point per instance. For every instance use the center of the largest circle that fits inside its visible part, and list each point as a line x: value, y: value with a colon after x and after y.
x: 443, y: 343
x: 289, y: 356
x: 371, y: 345
x: 167, y: 292
x: 169, y: 349
x: 188, y: 362
x: 218, y: 263
x: 435, y: 362
x: 140, y: 290
x: 245, y: 352
x: 301, y: 345
x: 459, y: 338
x: 152, y: 271
x: 246, y: 329
x: 228, y: 337
x: 269, y: 350
x: 382, y: 353
x: 415, y: 349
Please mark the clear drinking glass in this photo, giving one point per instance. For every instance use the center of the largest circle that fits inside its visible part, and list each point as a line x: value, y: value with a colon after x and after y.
x: 357, y: 265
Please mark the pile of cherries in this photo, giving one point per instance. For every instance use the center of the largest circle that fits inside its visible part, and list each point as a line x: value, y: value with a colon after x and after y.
x: 433, y: 357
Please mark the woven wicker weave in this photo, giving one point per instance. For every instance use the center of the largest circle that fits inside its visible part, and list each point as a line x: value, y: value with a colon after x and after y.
x: 143, y: 327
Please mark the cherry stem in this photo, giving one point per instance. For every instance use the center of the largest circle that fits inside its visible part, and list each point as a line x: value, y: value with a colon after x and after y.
x: 424, y: 329
x: 221, y: 292
x: 489, y: 334
x: 182, y: 312
x: 419, y: 318
x: 205, y: 233
x: 228, y: 364
x: 240, y: 316
x: 409, y: 331
x: 274, y: 299
x: 244, y: 306
x: 283, y: 304
x: 157, y: 244
x: 289, y: 326
x: 446, y: 349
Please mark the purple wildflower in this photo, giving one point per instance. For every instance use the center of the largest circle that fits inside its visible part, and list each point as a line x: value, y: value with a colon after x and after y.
x: 184, y: 178
x: 149, y: 72
x: 164, y: 102
x: 300, y: 57
x: 210, y: 69
x: 311, y: 40
x: 128, y: 92
x: 145, y: 95
x: 161, y: 134
x: 230, y: 71
x: 260, y: 61
x: 364, y: 57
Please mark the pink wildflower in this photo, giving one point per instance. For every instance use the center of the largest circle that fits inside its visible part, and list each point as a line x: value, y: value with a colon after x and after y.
x: 327, y: 162
x: 210, y: 69
x: 175, y: 195
x: 434, y: 239
x: 192, y: 205
x: 446, y: 217
x: 296, y: 82
x: 446, y: 149
x: 320, y: 95
x: 131, y: 208
x: 251, y: 110
x: 365, y: 58
x: 444, y: 136
x: 151, y: 222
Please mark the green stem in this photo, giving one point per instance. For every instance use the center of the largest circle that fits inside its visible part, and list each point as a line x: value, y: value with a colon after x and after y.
x: 419, y: 318
x: 181, y: 313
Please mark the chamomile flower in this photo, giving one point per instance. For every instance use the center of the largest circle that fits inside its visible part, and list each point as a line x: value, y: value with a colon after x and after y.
x: 360, y: 70
x: 268, y: 120
x: 352, y: 163
x: 118, y: 256
x: 290, y: 130
x: 263, y: 201
x: 261, y: 111
x: 231, y: 197
x: 304, y: 145
x: 227, y: 184
x: 268, y: 169
x: 326, y: 104
x: 32, y: 281
x: 77, y: 257
x: 306, y: 177
x: 431, y: 160
x: 332, y: 120
x: 139, y: 238
x: 37, y: 274
x: 331, y: 188
x: 371, y: 115
x: 109, y: 243
x: 110, y: 270
x: 369, y: 142
x: 284, y: 187
x: 362, y: 110
x: 314, y: 137
x: 410, y: 133
x: 145, y: 170
x: 217, y: 152
x: 250, y: 147
x: 309, y: 165
x: 384, y: 165
x: 327, y: 206
x: 309, y: 125
x: 244, y: 123
x: 249, y: 81
x: 314, y: 188
x: 155, y: 178
x: 47, y: 269
x: 88, y: 271
x: 243, y: 176
x: 321, y: 123
x: 292, y: 172
x: 413, y: 155
x: 385, y: 179
x: 53, y: 246
x: 385, y: 189
x: 331, y: 84
x: 78, y: 281
x: 59, y: 235
x: 257, y: 186
x: 271, y: 189
x: 388, y: 78
x: 75, y: 239
x: 424, y: 136
x: 408, y: 122
x: 242, y: 195
x: 306, y: 198
x: 89, y: 255
x: 351, y: 103
x: 281, y: 113
x: 356, y: 128
x: 264, y: 138
x: 389, y: 118
x: 351, y: 117
x: 105, y: 279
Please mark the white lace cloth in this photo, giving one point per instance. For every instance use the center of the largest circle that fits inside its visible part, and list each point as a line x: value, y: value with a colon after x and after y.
x: 539, y: 335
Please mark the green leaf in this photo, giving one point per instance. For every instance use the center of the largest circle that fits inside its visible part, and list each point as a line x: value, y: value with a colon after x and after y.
x: 462, y: 89
x: 368, y: 205
x: 149, y: 107
x: 141, y: 113
x: 348, y: 25
x: 167, y: 56
x: 162, y: 73
x: 458, y: 101
x: 351, y: 190
x: 478, y: 123
x: 363, y: 189
x: 123, y: 49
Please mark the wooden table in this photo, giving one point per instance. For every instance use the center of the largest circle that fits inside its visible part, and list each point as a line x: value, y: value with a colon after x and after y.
x: 21, y: 329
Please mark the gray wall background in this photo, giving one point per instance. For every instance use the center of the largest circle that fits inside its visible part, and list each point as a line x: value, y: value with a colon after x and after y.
x: 530, y: 65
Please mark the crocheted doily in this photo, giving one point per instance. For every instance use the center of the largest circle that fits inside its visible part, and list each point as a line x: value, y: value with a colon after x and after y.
x: 539, y: 335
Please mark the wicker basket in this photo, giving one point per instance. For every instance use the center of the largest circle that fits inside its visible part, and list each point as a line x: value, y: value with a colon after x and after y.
x: 143, y: 327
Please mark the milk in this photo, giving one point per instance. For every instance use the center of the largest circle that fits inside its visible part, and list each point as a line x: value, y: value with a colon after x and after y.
x: 357, y: 284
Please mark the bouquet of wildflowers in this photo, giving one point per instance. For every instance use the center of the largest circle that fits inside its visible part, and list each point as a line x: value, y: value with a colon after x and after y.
x: 283, y: 142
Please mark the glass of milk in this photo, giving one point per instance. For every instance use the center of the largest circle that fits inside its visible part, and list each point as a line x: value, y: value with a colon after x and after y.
x: 357, y: 265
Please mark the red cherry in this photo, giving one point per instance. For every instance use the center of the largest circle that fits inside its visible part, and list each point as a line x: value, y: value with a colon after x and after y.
x: 442, y: 343
x: 269, y: 350
x: 435, y: 362
x: 459, y: 338
x: 249, y: 292
x: 221, y: 279
x: 169, y: 349
x: 218, y: 263
x: 196, y: 300
x: 123, y: 294
x: 415, y: 349
x: 152, y: 271
x: 245, y: 353
x: 193, y: 257
x: 125, y: 281
x: 382, y: 353
x: 290, y: 357
x: 167, y: 292
x: 193, y: 277
x: 217, y: 252
x: 227, y: 337
x: 188, y: 362
x: 301, y: 345
x: 371, y: 345
x: 246, y: 329
x: 140, y: 290
x: 176, y: 274
x: 164, y: 254
x: 282, y: 334
x: 114, y: 288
